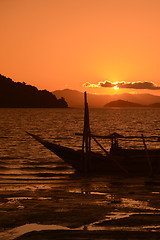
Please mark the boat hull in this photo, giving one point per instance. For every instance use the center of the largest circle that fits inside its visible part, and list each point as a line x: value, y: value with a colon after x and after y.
x: 118, y: 162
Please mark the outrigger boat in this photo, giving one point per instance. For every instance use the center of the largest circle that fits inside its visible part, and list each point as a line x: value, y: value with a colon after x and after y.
x: 118, y: 161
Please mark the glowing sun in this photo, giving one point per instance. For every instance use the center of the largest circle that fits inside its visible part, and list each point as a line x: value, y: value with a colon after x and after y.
x: 116, y: 88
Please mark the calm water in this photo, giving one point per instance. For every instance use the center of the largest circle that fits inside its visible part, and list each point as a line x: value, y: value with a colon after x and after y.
x: 31, y: 174
x: 22, y: 158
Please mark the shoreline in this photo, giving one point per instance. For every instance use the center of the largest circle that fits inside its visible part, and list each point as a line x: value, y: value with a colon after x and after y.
x: 80, y: 209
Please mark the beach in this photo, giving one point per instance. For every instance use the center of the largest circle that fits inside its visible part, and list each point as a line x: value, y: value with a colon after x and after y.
x: 119, y: 208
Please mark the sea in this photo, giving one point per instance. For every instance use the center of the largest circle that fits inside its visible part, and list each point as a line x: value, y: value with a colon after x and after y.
x: 23, y: 158
x: 26, y: 164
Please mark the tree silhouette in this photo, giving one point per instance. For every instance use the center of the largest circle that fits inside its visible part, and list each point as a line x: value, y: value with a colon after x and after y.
x: 20, y: 95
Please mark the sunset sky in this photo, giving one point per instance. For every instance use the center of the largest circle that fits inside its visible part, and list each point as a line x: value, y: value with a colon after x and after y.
x: 82, y: 44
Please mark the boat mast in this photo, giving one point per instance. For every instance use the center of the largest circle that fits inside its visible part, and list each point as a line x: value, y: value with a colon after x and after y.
x: 86, y: 143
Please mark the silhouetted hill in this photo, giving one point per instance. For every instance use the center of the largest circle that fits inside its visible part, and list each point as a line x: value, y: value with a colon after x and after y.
x: 75, y: 98
x: 154, y: 105
x: 122, y: 103
x: 19, y: 95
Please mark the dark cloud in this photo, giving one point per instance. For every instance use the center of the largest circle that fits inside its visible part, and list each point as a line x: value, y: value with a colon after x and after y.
x: 138, y: 85
x: 133, y: 85
x: 106, y: 84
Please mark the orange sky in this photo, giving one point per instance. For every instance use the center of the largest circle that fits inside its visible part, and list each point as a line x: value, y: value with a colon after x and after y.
x: 57, y: 44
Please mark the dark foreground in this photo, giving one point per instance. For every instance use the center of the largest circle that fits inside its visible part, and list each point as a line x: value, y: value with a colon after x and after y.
x: 80, y: 208
x: 69, y: 235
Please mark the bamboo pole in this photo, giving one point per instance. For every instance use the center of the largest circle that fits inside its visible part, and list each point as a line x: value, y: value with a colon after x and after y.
x: 128, y: 138
x: 99, y: 144
x: 147, y: 155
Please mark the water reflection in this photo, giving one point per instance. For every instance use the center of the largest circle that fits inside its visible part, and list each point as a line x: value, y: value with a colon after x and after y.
x: 84, y: 204
x: 19, y: 231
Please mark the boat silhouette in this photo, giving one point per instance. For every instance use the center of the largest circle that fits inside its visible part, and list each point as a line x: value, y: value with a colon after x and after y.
x: 117, y: 161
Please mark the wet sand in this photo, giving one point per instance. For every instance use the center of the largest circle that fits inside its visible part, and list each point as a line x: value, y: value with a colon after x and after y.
x: 81, y: 208
x: 66, y: 235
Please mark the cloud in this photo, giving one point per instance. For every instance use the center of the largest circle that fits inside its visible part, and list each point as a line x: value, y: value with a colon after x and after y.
x: 107, y: 84
x: 138, y: 85
x: 87, y: 84
x: 100, y: 84
x: 133, y: 85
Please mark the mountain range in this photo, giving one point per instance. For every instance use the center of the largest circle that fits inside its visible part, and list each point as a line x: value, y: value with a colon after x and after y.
x: 75, y: 98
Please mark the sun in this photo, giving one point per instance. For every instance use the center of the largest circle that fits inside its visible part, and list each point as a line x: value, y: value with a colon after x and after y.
x: 115, y: 87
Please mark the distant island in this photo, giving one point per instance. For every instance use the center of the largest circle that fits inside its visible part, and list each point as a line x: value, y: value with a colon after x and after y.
x: 155, y: 105
x: 75, y: 98
x: 122, y: 104
x: 20, y: 95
